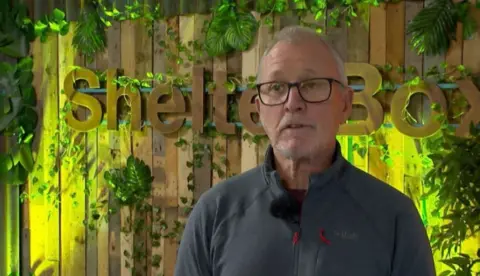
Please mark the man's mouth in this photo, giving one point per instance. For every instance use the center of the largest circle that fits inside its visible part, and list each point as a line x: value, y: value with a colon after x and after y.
x: 293, y: 126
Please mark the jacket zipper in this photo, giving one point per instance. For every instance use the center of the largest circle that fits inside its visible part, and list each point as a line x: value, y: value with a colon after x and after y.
x: 297, y: 236
x: 296, y: 240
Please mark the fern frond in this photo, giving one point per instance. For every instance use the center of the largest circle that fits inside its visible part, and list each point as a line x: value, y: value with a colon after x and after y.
x: 90, y: 35
x: 434, y: 28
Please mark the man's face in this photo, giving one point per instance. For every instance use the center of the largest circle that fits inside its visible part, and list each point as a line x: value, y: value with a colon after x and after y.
x: 299, y: 129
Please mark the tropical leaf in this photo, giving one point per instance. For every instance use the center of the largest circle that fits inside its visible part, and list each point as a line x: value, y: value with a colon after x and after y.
x: 241, y: 33
x: 132, y: 183
x: 434, y: 28
x: 90, y: 35
x: 230, y: 29
x: 12, y: 100
x: 216, y: 43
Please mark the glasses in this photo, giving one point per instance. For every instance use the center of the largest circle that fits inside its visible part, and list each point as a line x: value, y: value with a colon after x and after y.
x: 314, y: 90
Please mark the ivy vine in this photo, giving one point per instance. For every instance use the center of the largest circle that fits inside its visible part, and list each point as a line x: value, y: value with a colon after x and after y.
x: 232, y: 28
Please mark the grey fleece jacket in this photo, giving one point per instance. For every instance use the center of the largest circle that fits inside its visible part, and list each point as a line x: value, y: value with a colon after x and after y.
x: 350, y: 224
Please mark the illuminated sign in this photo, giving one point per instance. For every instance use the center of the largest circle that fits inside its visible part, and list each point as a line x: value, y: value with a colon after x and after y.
x: 176, y: 104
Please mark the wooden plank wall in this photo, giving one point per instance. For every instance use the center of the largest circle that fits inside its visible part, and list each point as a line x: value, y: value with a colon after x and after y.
x: 59, y: 240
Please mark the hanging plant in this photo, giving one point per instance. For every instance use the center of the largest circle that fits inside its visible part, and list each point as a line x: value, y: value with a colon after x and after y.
x: 232, y: 28
x: 16, y: 30
x: 90, y: 35
x: 454, y: 181
x: 17, y: 119
x: 434, y: 28
x: 132, y: 184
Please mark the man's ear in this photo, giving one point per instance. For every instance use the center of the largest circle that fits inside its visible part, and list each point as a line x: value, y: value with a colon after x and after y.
x: 348, y: 101
x: 257, y: 103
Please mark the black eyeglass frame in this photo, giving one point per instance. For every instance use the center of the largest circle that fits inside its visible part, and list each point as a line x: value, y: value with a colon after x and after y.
x: 297, y: 85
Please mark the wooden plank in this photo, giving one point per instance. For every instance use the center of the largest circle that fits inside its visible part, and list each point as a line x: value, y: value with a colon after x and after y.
x: 127, y: 215
x: 40, y: 10
x: 171, y: 168
x: 430, y: 62
x: 44, y: 217
x: 234, y: 142
x: 378, y: 49
x: 187, y: 32
x: 357, y: 51
x: 72, y: 180
x: 91, y: 187
x: 110, y: 262
x: 250, y: 60
x: 413, y: 60
x: 378, y: 32
x: 203, y: 175
x: 73, y: 9
x: 51, y: 176
x: 158, y: 160
x: 37, y: 204
x: 99, y: 159
x: 142, y: 144
x: 471, y: 55
x: 219, y: 149
x: 396, y: 57
x: 337, y: 37
x: 413, y: 180
x: 92, y: 230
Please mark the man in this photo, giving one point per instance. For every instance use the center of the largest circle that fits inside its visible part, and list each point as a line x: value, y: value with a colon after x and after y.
x: 306, y: 211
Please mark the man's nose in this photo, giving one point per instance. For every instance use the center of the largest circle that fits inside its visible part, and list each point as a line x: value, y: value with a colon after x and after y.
x: 294, y: 101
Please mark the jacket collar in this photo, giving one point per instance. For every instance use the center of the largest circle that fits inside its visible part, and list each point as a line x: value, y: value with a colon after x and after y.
x: 317, y: 180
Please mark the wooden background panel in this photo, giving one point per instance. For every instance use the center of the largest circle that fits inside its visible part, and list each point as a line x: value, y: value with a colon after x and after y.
x: 57, y: 244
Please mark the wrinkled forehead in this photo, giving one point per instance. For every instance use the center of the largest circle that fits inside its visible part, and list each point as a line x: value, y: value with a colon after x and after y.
x: 289, y: 61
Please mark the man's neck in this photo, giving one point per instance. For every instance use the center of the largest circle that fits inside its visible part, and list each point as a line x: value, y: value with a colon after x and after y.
x: 296, y: 173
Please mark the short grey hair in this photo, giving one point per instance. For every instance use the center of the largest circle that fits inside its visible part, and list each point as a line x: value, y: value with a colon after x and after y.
x: 296, y: 34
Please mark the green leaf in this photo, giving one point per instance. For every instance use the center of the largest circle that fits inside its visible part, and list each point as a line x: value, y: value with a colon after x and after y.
x: 241, y: 33
x: 65, y: 28
x: 16, y: 176
x: 6, y: 119
x: 132, y: 184
x: 25, y: 64
x: 54, y: 26
x: 58, y: 15
x: 230, y: 86
x: 28, y: 119
x: 90, y: 34
x: 216, y: 43
x: 29, y: 97
x: 6, y: 163
x: 229, y: 30
x: 26, y: 157
x: 433, y: 28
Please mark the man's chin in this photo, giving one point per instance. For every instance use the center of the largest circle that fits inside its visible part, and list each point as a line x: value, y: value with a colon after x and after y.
x: 293, y: 152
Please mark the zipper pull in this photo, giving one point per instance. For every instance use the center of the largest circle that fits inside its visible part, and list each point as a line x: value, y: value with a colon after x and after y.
x: 323, y: 238
x: 296, y: 237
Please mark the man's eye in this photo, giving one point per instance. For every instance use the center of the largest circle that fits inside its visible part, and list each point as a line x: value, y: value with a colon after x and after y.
x: 309, y: 85
x: 276, y: 87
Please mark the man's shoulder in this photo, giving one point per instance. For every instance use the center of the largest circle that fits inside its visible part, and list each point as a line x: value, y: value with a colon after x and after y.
x: 371, y: 191
x: 244, y: 183
x: 228, y: 195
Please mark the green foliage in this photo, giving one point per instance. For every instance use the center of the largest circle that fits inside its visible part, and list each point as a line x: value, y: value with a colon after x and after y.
x: 435, y: 26
x: 454, y: 181
x: 18, y: 120
x: 131, y: 184
x: 231, y: 29
x: 15, y: 30
x: 55, y: 23
x: 90, y: 35
x: 461, y: 265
